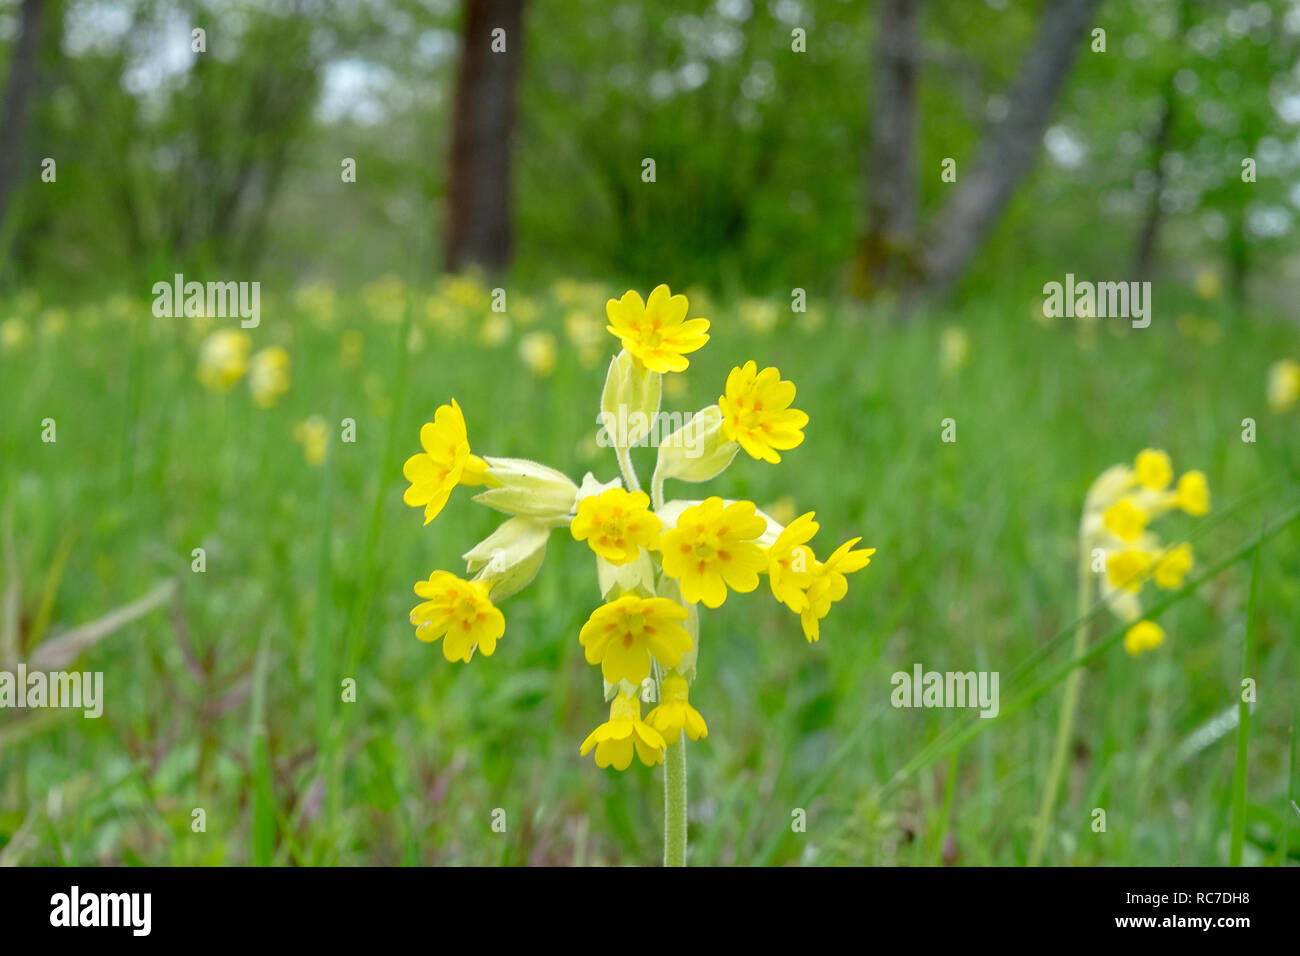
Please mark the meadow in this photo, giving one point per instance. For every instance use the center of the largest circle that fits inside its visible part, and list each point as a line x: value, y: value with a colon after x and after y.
x: 226, y: 696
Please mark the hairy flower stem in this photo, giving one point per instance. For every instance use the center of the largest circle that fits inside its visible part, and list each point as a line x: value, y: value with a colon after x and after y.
x: 630, y: 479
x: 1065, y: 727
x: 675, y: 804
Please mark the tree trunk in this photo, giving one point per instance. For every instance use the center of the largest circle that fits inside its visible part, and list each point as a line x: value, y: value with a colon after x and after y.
x: 18, y: 96
x: 478, y: 225
x: 886, y: 252
x: 1149, y: 232
x: 1144, y: 254
x: 1008, y: 148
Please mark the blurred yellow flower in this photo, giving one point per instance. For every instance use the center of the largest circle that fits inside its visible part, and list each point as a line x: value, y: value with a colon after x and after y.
x: 1125, y: 520
x: 314, y: 436
x: 1192, y: 494
x: 1125, y: 570
x: 385, y: 298
x: 1207, y: 284
x: 459, y: 611
x: 54, y: 322
x: 654, y: 331
x: 623, y: 734
x: 351, y: 344
x: 495, y: 329
x: 538, y: 352
x: 1143, y: 636
x: 445, y: 462
x: 617, y: 524
x: 319, y: 301
x: 13, y: 334
x: 714, y: 547
x: 756, y: 412
x: 1173, y: 566
x: 223, y: 359
x: 675, y: 713
x: 954, y: 349
x: 268, y: 375
x: 623, y: 635
x: 1283, y: 384
x: 1154, y: 469
x: 758, y: 315
x: 467, y: 290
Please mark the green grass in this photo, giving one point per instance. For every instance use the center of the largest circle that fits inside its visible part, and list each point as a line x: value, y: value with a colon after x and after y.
x: 229, y: 698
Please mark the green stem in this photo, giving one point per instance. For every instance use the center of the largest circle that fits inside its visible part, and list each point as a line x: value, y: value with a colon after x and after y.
x: 675, y: 804
x: 656, y: 489
x: 625, y: 466
x: 1065, y: 726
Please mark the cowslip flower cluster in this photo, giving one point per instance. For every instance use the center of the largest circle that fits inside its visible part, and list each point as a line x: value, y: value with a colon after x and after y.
x: 1118, y: 543
x: 224, y: 359
x: 656, y: 560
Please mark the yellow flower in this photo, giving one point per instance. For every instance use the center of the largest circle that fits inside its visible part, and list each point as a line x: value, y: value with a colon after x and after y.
x: 756, y: 412
x: 314, y: 435
x: 495, y: 330
x: 624, y: 634
x: 268, y: 375
x: 13, y: 334
x: 829, y: 585
x: 445, y: 462
x: 617, y: 524
x: 759, y: 315
x: 675, y: 713
x: 223, y: 359
x: 624, y: 733
x: 350, y: 345
x: 1154, y: 469
x: 1143, y: 636
x: 1125, y: 520
x: 713, y: 548
x: 1192, y: 494
x: 459, y: 610
x: 1126, y: 569
x: 1283, y: 384
x: 954, y: 349
x: 537, y: 350
x: 790, y: 562
x: 1208, y: 284
x: 1173, y: 567
x: 654, y: 331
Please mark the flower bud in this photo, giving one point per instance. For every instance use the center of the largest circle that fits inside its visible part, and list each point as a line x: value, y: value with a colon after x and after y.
x: 510, y: 557
x: 629, y: 403
x: 527, y: 488
x: 698, y: 450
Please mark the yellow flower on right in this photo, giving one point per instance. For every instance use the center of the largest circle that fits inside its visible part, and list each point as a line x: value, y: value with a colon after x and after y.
x: 1118, y: 544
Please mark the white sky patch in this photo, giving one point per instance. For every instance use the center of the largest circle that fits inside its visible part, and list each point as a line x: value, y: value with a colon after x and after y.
x: 1065, y: 149
x: 355, y: 90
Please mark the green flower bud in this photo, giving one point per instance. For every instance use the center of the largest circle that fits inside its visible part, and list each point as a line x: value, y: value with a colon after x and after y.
x: 510, y: 556
x: 629, y: 403
x: 527, y: 488
x: 697, y: 451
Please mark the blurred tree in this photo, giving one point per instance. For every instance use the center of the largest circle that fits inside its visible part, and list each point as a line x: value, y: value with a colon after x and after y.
x: 18, y: 96
x: 886, y: 256
x: 479, y: 188
x: 1009, y: 146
